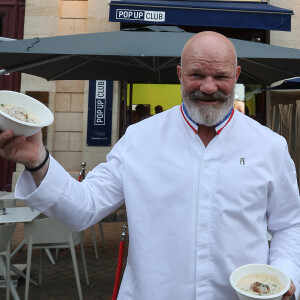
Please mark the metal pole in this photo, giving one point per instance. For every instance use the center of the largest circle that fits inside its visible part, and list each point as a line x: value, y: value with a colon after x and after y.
x: 125, y: 107
x: 130, y: 103
x: 4, y: 39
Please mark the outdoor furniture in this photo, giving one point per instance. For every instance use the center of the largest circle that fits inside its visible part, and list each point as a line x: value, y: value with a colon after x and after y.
x: 7, y: 199
x: 94, y: 238
x: 19, y: 215
x: 6, y: 233
x: 80, y: 178
x: 49, y: 234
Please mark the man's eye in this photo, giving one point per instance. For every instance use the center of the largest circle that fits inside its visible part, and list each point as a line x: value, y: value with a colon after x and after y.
x: 196, y: 75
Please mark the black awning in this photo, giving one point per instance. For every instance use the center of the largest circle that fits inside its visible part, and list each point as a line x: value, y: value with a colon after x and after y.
x: 287, y: 84
x: 231, y: 14
x: 135, y: 56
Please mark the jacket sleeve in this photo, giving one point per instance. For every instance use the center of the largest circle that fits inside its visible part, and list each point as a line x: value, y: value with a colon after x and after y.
x: 77, y: 204
x: 284, y: 218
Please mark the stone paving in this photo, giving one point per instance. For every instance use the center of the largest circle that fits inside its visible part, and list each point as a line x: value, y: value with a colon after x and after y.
x: 59, y: 281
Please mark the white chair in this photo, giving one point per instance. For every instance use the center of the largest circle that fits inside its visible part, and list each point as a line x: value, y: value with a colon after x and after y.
x: 7, y: 204
x: 94, y: 238
x: 80, y: 178
x: 49, y: 234
x: 6, y: 234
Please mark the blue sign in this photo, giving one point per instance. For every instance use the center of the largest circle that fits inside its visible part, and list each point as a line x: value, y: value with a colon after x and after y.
x: 140, y: 15
x: 232, y: 14
x: 99, y: 113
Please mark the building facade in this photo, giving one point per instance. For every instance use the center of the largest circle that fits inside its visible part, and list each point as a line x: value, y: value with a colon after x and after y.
x: 68, y: 100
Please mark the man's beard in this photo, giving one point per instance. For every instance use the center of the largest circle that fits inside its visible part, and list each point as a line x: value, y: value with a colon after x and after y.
x: 205, y: 114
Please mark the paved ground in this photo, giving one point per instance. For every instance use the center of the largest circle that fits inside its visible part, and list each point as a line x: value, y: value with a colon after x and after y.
x: 59, y: 281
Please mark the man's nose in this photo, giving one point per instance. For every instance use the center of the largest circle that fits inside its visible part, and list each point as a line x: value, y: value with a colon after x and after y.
x: 208, y: 86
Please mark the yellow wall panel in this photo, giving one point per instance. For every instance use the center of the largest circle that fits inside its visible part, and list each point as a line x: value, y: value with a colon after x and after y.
x: 166, y: 95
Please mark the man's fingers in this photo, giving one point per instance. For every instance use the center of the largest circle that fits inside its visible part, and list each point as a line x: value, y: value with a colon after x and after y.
x: 5, y: 136
x: 20, y: 149
x: 286, y: 297
x: 290, y: 292
x: 11, y: 147
x: 9, y: 144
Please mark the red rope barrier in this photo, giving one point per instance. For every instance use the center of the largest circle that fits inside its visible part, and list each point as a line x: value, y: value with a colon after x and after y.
x: 121, y: 248
x: 82, y: 172
x: 120, y: 263
x: 118, y: 273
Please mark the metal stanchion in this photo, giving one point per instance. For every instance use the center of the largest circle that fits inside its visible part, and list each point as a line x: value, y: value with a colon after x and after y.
x: 120, y: 262
x: 82, y: 172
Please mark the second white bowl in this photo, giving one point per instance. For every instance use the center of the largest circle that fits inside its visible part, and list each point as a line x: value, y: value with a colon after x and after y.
x: 245, y: 270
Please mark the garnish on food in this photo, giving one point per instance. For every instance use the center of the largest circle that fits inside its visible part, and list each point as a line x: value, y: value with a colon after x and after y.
x: 260, y: 288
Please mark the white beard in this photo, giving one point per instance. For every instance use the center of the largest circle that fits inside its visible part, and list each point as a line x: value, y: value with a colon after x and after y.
x: 208, y: 115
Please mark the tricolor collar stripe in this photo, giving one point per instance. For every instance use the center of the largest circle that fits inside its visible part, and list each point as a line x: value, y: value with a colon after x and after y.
x: 191, y: 124
x: 188, y: 116
x: 219, y: 128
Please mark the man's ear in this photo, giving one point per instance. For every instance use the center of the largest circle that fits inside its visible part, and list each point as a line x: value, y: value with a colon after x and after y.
x: 238, y: 72
x: 179, y: 70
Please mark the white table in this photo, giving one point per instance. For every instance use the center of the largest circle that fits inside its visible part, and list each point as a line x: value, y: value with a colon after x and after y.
x: 7, y: 199
x: 2, y: 193
x: 19, y: 215
x: 7, y: 196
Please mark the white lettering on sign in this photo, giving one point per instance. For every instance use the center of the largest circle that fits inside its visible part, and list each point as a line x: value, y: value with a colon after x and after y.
x: 100, y: 89
x: 143, y: 15
x: 155, y: 16
x: 100, y: 102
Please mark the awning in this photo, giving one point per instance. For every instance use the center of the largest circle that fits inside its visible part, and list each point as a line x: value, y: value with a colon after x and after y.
x: 233, y: 14
x: 286, y: 84
x: 135, y: 57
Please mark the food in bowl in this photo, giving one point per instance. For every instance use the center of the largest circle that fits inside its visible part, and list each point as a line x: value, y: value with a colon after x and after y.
x: 251, y: 271
x: 260, y: 284
x: 36, y: 109
x: 19, y: 113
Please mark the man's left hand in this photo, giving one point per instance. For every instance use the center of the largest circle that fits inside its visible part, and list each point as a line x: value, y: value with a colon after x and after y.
x: 290, y: 292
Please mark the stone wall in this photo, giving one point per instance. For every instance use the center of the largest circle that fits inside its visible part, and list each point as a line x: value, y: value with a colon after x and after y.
x: 68, y: 100
x: 283, y: 38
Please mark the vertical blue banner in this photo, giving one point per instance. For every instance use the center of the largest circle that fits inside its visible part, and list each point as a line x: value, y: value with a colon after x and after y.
x: 99, y: 118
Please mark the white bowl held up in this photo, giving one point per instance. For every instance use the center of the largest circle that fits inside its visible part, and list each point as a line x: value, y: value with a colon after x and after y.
x: 36, y: 108
x: 249, y: 269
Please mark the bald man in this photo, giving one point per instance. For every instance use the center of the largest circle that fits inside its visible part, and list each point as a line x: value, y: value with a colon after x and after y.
x: 200, y: 196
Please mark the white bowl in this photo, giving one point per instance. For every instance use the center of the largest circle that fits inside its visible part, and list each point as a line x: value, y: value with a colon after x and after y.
x: 258, y: 268
x: 38, y: 109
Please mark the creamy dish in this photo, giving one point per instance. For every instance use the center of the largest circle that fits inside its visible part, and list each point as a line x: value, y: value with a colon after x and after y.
x: 19, y: 113
x: 260, y: 284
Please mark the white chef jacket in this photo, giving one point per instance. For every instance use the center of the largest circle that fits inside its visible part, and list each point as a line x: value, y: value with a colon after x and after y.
x: 195, y: 213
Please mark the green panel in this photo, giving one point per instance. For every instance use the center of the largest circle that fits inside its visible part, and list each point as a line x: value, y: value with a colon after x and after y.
x: 250, y: 102
x: 166, y: 95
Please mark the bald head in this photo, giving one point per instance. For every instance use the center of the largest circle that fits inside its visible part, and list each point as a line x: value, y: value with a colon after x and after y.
x: 212, y: 45
x: 208, y: 74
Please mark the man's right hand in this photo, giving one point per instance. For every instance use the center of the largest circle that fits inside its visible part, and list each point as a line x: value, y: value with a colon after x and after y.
x: 28, y: 151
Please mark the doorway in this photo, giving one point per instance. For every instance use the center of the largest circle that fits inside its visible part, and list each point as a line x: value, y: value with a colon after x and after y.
x: 11, y: 26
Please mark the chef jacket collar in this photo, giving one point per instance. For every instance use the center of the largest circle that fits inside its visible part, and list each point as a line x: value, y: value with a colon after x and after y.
x: 194, y: 126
